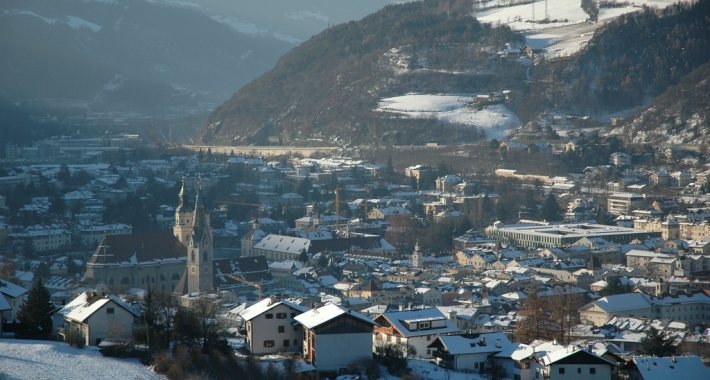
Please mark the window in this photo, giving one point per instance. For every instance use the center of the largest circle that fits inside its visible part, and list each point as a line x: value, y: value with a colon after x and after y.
x: 475, y: 365
x: 293, y: 315
x: 268, y: 343
x: 592, y: 371
x: 428, y: 338
x: 295, y: 328
x: 562, y: 371
x: 280, y: 315
x: 282, y: 329
x: 269, y: 316
x: 109, y: 310
x: 423, y: 325
x: 287, y: 342
x: 295, y: 342
x: 579, y: 370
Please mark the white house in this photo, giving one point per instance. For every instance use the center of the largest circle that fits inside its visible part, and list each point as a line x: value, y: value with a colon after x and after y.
x: 460, y: 353
x: 572, y: 362
x: 12, y: 295
x: 98, y: 317
x: 334, y: 336
x: 269, y: 326
x: 417, y: 328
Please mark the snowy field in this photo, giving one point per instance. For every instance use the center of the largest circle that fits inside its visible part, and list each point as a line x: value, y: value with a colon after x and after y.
x: 569, y: 34
x: 22, y: 359
x: 495, y: 119
x: 431, y: 371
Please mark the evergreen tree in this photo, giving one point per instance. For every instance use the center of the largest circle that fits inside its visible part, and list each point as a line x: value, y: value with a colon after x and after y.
x: 658, y: 344
x: 613, y: 286
x: 550, y: 209
x: 35, y: 315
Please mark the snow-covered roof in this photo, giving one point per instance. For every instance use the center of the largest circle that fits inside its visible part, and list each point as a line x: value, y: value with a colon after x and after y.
x: 516, y: 351
x: 678, y: 367
x: 620, y: 302
x: 86, y: 305
x: 282, y: 243
x: 316, y: 317
x: 397, y: 319
x: 265, y: 305
x: 458, y: 345
x: 11, y: 289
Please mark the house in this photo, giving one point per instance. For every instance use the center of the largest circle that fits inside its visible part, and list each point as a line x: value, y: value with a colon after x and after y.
x: 448, y: 182
x: 12, y: 299
x: 269, y: 326
x: 662, y: 368
x: 572, y: 362
x: 383, y: 213
x: 460, y: 353
x: 98, y: 317
x: 620, y: 159
x: 515, y: 359
x: 415, y: 328
x: 334, y: 336
x: 623, y: 305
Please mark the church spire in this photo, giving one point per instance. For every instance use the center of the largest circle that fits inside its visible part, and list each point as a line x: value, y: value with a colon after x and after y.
x: 199, y: 218
x: 181, y: 197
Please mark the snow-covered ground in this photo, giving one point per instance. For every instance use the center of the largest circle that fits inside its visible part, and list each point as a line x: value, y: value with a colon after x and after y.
x: 39, y: 360
x: 568, y: 34
x: 495, y: 119
x: 431, y: 371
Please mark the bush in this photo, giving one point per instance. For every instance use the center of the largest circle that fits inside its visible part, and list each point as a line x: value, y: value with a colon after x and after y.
x: 74, y: 338
x: 123, y: 352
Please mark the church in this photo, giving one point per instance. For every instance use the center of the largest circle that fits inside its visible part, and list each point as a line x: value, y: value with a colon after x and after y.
x: 193, y: 230
x: 180, y: 262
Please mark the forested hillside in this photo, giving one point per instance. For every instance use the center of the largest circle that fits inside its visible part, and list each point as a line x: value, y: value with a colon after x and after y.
x: 631, y: 60
x: 681, y: 115
x: 330, y: 85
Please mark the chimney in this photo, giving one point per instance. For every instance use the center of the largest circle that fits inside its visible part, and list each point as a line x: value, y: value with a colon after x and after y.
x: 590, y: 346
x: 401, y: 307
x: 688, y: 291
x: 452, y: 315
x: 674, y: 290
x: 497, y: 343
x: 409, y: 305
x: 483, y: 341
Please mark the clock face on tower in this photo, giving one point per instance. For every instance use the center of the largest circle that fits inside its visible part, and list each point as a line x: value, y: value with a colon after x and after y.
x: 193, y: 269
x: 206, y: 270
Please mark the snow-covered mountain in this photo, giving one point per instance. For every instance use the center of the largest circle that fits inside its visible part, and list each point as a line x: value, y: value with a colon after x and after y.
x: 292, y: 21
x: 124, y: 53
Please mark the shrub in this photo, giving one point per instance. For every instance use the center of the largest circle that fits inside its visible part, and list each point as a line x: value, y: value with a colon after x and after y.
x: 74, y: 338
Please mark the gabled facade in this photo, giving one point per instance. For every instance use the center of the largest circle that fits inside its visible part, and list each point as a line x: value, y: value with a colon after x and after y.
x: 269, y: 327
x: 98, y: 317
x: 572, y: 363
x: 334, y: 336
x: 12, y: 299
x: 418, y: 328
x: 460, y: 353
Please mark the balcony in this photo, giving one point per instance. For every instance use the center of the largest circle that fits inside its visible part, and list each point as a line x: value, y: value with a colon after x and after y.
x: 386, y: 330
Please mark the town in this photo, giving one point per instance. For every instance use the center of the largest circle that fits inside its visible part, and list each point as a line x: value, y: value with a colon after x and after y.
x: 579, y: 258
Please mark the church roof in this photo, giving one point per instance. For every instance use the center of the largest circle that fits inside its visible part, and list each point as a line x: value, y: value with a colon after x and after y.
x: 139, y: 248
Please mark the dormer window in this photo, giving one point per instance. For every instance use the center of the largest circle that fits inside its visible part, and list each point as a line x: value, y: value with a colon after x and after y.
x: 424, y: 325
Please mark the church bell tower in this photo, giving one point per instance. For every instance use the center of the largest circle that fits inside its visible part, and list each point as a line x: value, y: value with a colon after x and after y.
x: 199, y: 249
